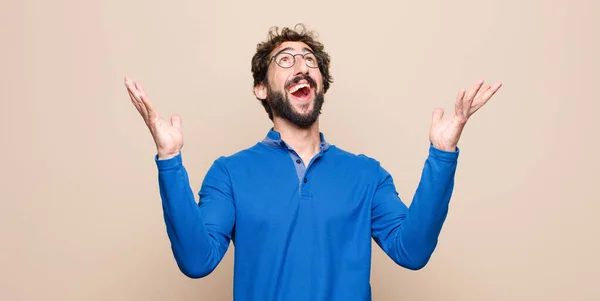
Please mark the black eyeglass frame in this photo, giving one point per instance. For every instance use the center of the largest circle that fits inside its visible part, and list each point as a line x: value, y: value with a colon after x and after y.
x: 294, y: 59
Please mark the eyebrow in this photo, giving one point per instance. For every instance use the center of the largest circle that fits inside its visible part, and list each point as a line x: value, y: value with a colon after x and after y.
x: 306, y: 49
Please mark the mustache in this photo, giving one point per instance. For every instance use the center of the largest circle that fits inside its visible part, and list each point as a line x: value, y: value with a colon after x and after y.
x: 297, y: 79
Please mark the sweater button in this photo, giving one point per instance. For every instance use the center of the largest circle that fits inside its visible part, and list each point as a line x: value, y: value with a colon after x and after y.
x: 305, y: 180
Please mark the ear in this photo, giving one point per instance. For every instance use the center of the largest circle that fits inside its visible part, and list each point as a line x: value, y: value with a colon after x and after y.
x: 260, y: 91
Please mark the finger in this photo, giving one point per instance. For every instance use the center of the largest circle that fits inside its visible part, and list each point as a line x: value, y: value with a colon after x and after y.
x: 132, y: 94
x: 436, y: 118
x: 490, y: 92
x: 477, y: 102
x: 135, y: 103
x: 128, y: 81
x: 481, y: 92
x: 487, y: 95
x: 458, y: 106
x: 130, y: 85
x: 176, y: 121
x: 145, y: 101
x: 468, y: 101
x: 474, y: 90
x: 139, y: 105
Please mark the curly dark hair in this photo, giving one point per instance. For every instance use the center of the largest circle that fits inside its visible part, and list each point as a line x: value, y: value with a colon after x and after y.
x: 299, y: 33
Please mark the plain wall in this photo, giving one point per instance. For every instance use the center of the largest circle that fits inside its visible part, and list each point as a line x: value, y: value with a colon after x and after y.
x: 80, y: 215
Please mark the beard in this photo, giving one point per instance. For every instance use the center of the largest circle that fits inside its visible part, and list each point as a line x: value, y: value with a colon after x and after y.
x: 282, y: 107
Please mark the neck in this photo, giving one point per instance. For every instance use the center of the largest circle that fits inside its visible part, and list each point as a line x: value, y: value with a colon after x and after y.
x: 305, y: 141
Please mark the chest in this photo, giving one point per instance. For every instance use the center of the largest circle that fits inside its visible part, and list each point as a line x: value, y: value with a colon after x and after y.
x: 289, y: 196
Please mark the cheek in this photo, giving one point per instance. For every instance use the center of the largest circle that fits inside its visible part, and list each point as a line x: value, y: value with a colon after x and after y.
x: 318, y: 77
x: 316, y: 73
x: 279, y: 81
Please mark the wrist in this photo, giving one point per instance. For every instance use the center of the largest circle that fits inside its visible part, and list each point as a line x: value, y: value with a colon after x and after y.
x: 165, y: 155
x: 445, y: 148
x: 448, y: 149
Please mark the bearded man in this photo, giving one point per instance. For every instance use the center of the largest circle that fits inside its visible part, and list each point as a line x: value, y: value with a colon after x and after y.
x: 300, y: 210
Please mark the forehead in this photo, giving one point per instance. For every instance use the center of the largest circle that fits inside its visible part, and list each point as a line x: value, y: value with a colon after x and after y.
x: 294, y: 47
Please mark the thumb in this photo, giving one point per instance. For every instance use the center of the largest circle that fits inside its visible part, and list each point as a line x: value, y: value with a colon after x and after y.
x: 437, y: 115
x: 176, y: 121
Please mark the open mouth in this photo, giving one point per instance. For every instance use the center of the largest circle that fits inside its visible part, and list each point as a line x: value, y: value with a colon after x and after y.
x: 301, y: 91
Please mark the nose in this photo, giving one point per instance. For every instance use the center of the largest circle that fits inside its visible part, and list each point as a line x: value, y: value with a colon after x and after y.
x: 300, y: 66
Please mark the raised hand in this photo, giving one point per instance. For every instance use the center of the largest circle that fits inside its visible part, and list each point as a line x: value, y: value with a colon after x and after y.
x: 445, y: 133
x: 167, y: 135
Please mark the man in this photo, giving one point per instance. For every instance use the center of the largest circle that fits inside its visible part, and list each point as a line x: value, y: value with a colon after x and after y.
x: 301, y: 211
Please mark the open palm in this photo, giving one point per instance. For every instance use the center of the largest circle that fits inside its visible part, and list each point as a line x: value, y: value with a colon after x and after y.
x: 444, y: 134
x: 168, y: 136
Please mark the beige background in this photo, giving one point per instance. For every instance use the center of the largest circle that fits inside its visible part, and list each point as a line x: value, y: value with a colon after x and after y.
x: 80, y: 216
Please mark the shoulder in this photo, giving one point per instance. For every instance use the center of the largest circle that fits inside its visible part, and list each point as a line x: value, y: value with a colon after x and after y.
x: 227, y: 165
x: 357, y: 159
x: 356, y: 167
x: 245, y: 157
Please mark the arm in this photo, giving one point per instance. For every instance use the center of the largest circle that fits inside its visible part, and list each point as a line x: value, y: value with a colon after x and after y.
x: 199, y: 232
x: 409, y: 235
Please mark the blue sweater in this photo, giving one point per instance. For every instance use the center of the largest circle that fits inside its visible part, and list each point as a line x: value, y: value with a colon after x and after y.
x: 302, y: 230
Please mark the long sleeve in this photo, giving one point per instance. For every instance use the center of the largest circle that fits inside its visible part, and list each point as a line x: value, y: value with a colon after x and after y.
x: 199, y: 233
x: 409, y: 235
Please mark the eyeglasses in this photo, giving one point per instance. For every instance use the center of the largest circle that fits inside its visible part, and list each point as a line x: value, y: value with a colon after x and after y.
x: 287, y: 60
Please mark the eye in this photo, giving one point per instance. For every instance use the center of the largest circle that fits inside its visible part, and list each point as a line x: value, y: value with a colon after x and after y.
x: 284, y: 58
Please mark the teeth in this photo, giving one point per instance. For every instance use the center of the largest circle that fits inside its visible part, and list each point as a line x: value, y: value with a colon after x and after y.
x: 298, y: 87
